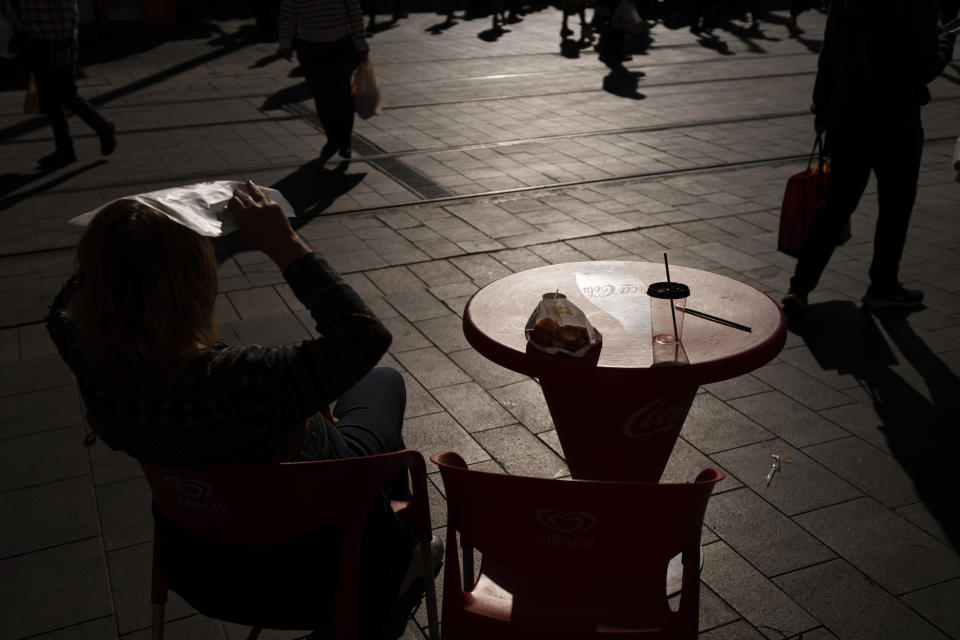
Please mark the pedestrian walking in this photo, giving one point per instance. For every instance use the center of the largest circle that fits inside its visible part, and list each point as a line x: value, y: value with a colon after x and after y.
x: 704, y: 16
x: 580, y: 8
x: 796, y: 8
x: 330, y: 42
x: 873, y: 70
x: 50, y: 53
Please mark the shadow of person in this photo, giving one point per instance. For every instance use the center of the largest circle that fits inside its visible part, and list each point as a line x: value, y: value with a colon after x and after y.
x: 569, y: 48
x: 287, y: 95
x: 623, y: 83
x: 265, y: 60
x: 747, y: 35
x: 310, y: 190
x: 919, y: 424
x: 11, y: 182
x: 377, y: 27
x: 712, y: 41
x: 493, y: 34
x: 440, y: 27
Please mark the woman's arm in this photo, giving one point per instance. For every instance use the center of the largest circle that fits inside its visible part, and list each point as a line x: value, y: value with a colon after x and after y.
x: 297, y: 381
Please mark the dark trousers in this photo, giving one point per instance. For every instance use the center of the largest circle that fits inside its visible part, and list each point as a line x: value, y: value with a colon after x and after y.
x: 57, y: 88
x: 895, y: 158
x: 328, y: 68
x: 370, y: 421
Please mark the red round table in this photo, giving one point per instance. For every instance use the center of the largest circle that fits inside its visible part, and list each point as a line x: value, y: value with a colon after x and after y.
x: 618, y: 410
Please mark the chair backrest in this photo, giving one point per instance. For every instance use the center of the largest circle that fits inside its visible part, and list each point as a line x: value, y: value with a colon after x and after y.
x: 267, y: 504
x: 598, y: 549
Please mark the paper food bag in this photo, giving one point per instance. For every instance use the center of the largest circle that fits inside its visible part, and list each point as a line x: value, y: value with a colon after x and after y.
x: 200, y: 207
x: 559, y: 326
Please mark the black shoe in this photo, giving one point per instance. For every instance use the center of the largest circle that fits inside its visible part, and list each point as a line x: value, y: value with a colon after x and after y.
x: 345, y: 153
x: 59, y: 158
x: 108, y: 141
x: 892, y: 297
x: 327, y: 151
x: 794, y: 303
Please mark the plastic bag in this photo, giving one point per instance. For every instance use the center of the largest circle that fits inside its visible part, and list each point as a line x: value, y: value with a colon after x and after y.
x: 31, y: 102
x: 200, y: 207
x: 559, y: 326
x: 366, y: 95
x: 625, y: 16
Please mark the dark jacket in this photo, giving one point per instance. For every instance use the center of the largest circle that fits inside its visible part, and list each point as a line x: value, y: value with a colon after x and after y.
x: 876, y: 60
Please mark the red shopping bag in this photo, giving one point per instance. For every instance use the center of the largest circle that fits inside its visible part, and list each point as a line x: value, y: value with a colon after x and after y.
x: 805, y: 194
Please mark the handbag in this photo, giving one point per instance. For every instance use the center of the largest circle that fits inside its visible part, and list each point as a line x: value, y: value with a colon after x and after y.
x: 802, y: 200
x: 366, y: 95
x: 31, y: 102
x: 625, y: 16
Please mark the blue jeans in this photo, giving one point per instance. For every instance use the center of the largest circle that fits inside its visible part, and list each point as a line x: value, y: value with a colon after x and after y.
x: 370, y: 418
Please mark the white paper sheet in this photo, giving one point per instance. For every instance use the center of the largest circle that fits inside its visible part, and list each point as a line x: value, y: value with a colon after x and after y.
x: 620, y: 293
x: 200, y: 207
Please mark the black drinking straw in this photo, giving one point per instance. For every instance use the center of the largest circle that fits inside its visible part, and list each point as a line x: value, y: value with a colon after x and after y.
x: 673, y: 312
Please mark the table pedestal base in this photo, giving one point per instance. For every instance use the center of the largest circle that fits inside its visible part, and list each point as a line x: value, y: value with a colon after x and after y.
x: 641, y: 427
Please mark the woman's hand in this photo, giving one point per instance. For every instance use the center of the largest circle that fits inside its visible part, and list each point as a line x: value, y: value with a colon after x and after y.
x: 263, y: 224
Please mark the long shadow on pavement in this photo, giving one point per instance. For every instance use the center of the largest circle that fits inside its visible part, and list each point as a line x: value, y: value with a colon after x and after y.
x: 921, y: 431
x: 310, y: 189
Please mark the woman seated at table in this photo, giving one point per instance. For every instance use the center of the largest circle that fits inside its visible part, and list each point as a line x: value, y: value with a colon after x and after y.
x: 136, y: 326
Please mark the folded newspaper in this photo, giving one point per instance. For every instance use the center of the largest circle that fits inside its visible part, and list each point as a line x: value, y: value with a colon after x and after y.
x: 200, y: 207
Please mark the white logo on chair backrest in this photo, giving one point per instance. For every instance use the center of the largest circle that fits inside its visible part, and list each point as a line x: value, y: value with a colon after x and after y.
x: 193, y: 494
x: 562, y: 525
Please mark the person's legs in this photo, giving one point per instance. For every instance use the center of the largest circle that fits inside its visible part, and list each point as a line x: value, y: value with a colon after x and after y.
x: 38, y: 56
x: 897, y: 167
x: 71, y: 99
x: 850, y: 164
x: 370, y: 419
x: 328, y: 68
x: 342, y: 65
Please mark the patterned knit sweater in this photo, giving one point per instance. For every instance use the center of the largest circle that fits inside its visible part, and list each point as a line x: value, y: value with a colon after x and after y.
x: 321, y: 21
x: 235, y: 404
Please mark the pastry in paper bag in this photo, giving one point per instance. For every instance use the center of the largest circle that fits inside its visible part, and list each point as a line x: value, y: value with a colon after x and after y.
x: 559, y: 326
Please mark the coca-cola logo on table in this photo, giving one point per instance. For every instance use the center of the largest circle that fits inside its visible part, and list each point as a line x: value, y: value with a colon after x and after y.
x: 658, y: 415
x: 604, y: 290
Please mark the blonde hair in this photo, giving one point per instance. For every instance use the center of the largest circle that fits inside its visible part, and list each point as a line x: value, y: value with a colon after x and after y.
x: 146, y: 290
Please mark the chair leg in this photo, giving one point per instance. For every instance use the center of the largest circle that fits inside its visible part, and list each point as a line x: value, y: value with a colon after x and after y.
x: 430, y: 590
x: 254, y: 633
x: 157, y: 625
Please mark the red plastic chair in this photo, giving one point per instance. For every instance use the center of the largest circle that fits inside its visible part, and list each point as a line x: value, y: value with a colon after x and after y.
x: 569, y: 558
x: 268, y: 504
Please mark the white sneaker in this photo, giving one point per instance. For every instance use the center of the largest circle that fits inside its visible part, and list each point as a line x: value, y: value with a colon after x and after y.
x: 414, y: 571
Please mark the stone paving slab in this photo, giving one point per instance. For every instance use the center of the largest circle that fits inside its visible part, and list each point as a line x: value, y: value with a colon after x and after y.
x: 491, y: 158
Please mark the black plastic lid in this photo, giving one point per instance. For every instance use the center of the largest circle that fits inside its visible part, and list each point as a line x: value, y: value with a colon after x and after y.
x: 668, y: 290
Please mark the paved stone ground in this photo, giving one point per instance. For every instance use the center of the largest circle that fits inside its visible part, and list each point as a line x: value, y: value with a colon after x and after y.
x: 492, y: 157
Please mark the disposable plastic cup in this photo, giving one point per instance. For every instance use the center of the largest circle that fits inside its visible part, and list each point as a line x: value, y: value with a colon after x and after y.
x: 667, y: 303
